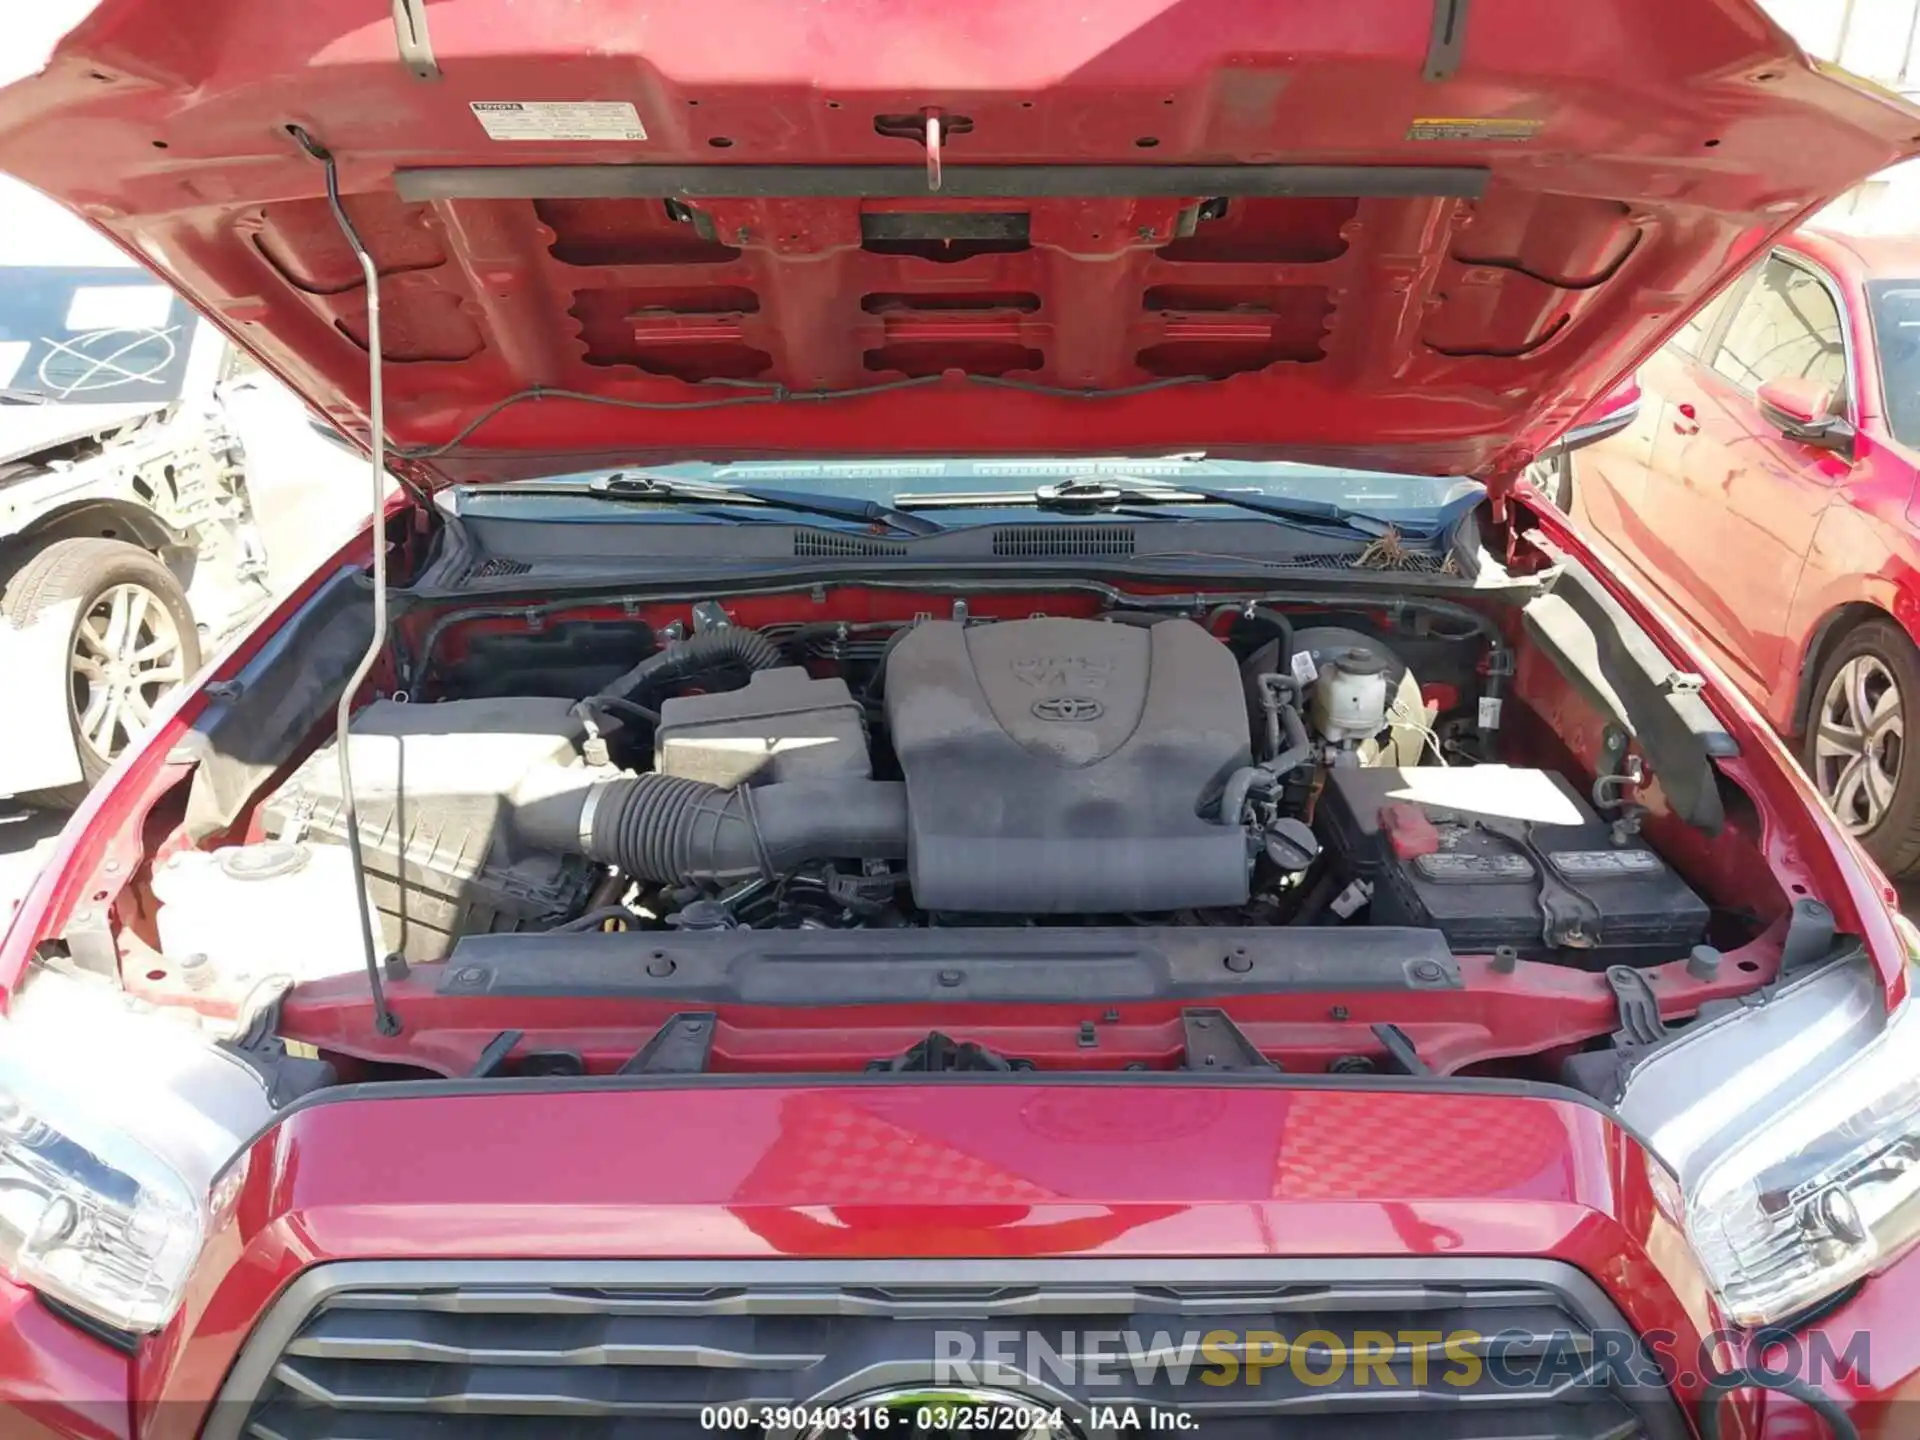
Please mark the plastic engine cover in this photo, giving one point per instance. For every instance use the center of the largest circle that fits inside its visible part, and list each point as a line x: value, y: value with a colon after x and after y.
x: 1059, y: 766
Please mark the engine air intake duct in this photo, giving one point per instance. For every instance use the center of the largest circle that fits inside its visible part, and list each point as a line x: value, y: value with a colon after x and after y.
x: 676, y: 831
x: 726, y: 647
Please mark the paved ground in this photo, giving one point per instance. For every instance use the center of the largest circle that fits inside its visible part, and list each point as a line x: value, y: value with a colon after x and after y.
x: 25, y: 837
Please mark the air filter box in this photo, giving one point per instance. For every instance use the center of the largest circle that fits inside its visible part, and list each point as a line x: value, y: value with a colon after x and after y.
x: 436, y: 786
x: 781, y: 725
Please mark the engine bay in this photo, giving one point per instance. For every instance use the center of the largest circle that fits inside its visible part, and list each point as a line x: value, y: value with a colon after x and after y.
x: 825, y: 827
x: 1137, y: 767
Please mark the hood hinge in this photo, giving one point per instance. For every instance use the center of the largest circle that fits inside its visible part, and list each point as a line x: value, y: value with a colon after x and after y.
x: 410, y: 35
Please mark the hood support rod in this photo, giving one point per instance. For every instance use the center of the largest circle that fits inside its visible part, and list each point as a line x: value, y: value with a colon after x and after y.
x: 385, y: 1021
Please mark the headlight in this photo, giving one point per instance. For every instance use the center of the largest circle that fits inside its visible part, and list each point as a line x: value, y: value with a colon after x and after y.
x: 113, y: 1127
x: 1793, y: 1127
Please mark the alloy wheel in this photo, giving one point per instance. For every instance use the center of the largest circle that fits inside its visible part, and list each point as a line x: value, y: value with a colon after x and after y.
x: 1859, y: 742
x: 126, y: 655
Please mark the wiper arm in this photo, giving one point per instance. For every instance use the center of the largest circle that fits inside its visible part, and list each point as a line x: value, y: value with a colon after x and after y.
x: 653, y: 489
x: 10, y: 396
x: 1091, y: 494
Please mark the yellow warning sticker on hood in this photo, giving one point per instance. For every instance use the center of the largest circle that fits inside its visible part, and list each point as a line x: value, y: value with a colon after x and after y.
x: 1467, y: 128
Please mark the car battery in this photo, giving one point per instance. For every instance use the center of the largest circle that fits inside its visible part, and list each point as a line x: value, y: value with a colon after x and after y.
x: 1492, y: 855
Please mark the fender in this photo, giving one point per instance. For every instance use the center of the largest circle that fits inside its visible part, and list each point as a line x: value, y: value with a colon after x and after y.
x: 115, y: 519
x: 1789, y: 700
x: 1800, y: 667
x: 40, y: 750
x: 1851, y: 569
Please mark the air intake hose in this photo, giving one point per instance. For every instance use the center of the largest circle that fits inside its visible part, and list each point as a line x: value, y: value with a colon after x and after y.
x: 724, y: 647
x: 676, y: 831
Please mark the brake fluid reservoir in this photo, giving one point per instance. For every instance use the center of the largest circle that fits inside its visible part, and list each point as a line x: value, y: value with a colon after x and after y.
x: 259, y: 911
x: 1350, y: 696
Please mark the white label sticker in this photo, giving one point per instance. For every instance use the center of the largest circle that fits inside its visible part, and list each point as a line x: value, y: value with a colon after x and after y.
x: 1489, y: 712
x: 12, y: 353
x: 1351, y: 899
x: 1471, y: 868
x: 559, y: 119
x: 119, y: 307
x: 1600, y: 864
x: 1305, y: 672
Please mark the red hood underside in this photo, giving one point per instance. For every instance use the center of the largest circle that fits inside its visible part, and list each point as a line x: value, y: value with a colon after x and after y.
x: 1413, y: 234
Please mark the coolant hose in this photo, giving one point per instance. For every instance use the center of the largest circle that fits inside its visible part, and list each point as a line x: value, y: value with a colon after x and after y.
x: 1263, y: 615
x: 676, y: 831
x: 1240, y: 784
x: 727, y: 645
x: 1278, y: 694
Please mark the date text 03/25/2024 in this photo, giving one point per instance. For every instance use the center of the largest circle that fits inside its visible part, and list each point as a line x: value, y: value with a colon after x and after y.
x: 938, y: 1417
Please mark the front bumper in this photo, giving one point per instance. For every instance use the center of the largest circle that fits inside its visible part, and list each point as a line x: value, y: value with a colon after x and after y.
x: 1024, y: 1173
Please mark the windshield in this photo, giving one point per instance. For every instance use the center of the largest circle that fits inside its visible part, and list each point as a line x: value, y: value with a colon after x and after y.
x: 1896, y: 332
x: 1412, y: 501
x: 93, y: 336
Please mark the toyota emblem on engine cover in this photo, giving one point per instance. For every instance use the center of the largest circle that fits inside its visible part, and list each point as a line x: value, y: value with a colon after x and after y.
x: 1068, y: 707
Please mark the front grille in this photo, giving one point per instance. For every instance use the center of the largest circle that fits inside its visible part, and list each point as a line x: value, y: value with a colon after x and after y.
x: 1084, y: 538
x: 618, y: 1351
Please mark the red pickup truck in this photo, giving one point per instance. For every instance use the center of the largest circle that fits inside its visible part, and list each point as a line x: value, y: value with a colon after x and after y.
x: 959, y: 791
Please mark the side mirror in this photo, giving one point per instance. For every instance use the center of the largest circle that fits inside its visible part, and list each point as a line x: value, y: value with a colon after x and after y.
x: 1803, y: 410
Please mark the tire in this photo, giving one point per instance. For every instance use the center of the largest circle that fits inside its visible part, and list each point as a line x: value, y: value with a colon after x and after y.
x: 1855, y: 743
x: 114, y: 679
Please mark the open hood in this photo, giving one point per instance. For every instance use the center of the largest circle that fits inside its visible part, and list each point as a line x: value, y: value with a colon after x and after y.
x: 1404, y: 234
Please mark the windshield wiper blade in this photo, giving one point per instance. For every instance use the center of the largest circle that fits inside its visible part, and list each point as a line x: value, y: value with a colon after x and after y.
x: 1090, y: 494
x: 11, y: 396
x: 628, y: 485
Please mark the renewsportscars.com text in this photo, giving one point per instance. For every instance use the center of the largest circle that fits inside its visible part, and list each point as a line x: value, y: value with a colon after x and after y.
x: 1464, y: 1359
